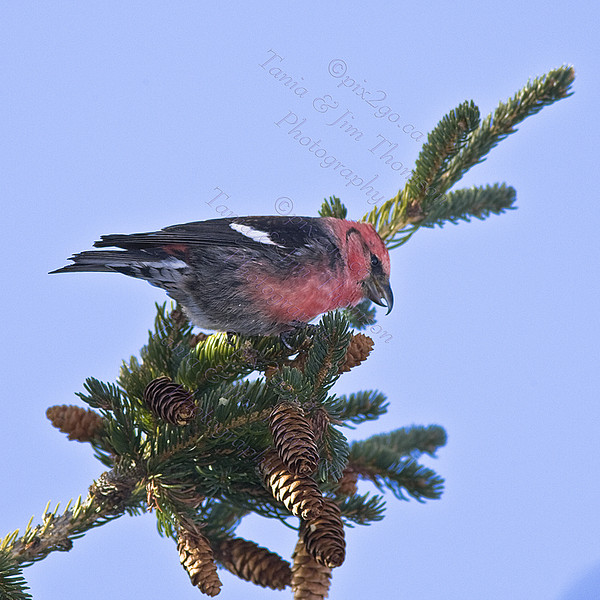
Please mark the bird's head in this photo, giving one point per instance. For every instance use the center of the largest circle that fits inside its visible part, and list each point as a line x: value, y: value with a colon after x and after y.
x: 367, y: 260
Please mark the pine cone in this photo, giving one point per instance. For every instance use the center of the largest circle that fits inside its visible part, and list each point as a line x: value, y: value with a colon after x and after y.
x: 251, y: 562
x: 360, y: 347
x: 197, y: 559
x: 346, y: 485
x: 169, y: 401
x: 324, y: 535
x: 299, y: 494
x: 310, y: 580
x: 81, y: 424
x: 294, y: 439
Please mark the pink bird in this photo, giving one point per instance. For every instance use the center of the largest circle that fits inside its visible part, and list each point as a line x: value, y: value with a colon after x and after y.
x: 253, y: 275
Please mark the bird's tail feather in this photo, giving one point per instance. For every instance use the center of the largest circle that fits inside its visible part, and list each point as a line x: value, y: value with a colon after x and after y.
x: 102, y: 261
x: 124, y: 240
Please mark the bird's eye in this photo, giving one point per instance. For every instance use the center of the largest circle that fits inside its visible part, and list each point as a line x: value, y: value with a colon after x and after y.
x: 374, y: 260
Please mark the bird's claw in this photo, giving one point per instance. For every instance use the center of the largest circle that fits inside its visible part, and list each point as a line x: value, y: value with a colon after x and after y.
x: 291, y: 335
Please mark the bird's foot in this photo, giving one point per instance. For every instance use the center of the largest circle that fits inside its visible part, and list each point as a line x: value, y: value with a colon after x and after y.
x: 297, y: 335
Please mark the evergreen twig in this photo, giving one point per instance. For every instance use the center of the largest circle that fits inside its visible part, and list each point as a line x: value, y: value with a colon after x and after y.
x: 454, y: 146
x: 108, y: 499
x: 12, y: 584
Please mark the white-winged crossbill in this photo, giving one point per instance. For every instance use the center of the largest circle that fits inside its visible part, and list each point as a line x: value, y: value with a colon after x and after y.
x: 253, y: 275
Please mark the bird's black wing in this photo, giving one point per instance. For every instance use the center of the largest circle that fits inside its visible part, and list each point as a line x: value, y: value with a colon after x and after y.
x: 283, y: 232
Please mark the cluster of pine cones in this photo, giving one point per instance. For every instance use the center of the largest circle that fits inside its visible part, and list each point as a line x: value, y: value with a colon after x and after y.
x: 286, y: 469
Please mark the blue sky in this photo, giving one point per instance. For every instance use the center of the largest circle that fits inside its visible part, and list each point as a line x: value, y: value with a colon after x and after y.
x: 124, y: 117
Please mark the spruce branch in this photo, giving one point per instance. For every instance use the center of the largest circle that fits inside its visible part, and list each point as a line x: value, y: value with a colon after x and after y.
x: 386, y: 468
x: 446, y: 140
x: 105, y: 396
x: 478, y: 201
x: 333, y: 208
x: 542, y: 91
x: 334, y: 451
x: 360, y: 316
x: 219, y: 358
x: 108, y: 499
x: 12, y: 584
x: 361, y: 406
x: 362, y: 510
x: 408, y: 441
x: 328, y: 351
x: 452, y: 148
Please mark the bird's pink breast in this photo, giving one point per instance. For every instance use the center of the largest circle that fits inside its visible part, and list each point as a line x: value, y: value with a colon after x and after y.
x: 304, y: 298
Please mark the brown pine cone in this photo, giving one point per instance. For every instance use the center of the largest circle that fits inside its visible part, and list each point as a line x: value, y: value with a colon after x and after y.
x: 169, y: 401
x: 81, y: 424
x: 298, y: 493
x: 197, y: 559
x: 310, y: 580
x: 252, y: 562
x: 324, y: 535
x: 294, y: 439
x: 360, y: 347
x: 346, y: 485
